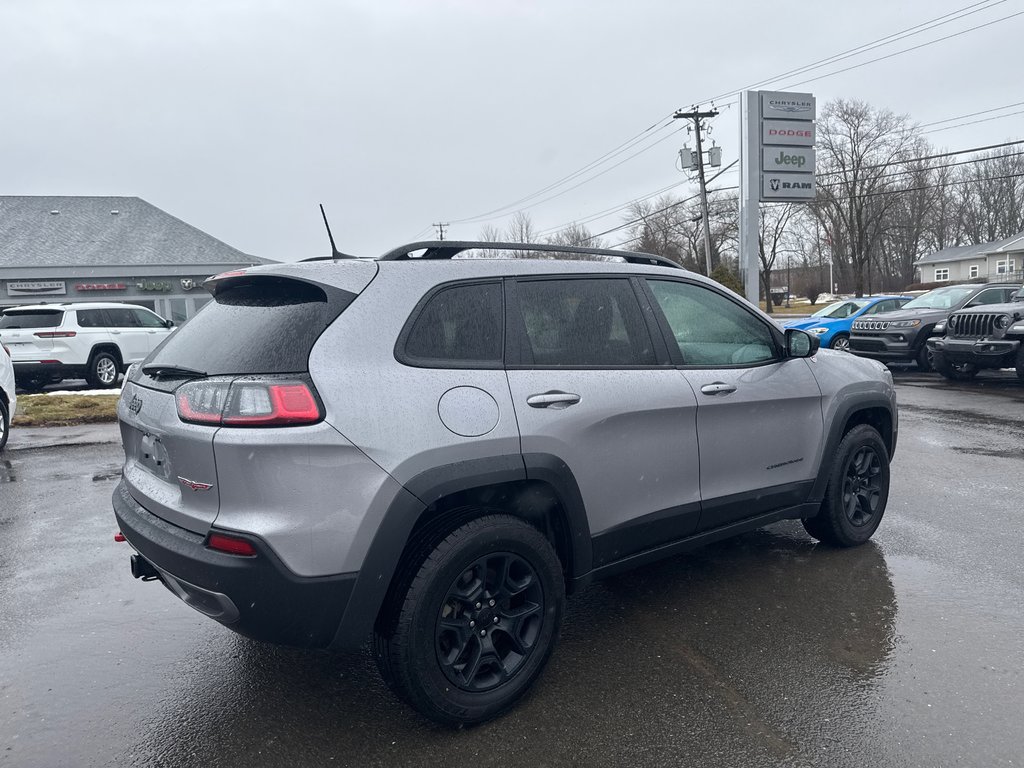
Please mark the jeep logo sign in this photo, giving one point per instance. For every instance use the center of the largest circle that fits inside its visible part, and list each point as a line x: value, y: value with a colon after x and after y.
x: 787, y: 186
x: 788, y: 132
x: 788, y: 159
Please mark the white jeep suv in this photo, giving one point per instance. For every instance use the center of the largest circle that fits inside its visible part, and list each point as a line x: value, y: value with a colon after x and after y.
x: 95, y: 341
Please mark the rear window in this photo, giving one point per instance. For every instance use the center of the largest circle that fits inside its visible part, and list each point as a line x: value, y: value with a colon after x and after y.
x: 47, y: 318
x: 264, y: 325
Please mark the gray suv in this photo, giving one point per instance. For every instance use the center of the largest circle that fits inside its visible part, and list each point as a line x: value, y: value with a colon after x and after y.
x: 434, y: 449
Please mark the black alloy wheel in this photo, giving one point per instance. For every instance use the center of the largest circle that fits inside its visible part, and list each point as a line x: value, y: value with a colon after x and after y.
x: 862, y: 486
x: 489, y: 622
x: 472, y: 616
x: 857, y: 490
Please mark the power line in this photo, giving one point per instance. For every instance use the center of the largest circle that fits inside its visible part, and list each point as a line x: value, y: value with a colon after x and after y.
x: 904, y: 50
x: 581, y: 183
x: 625, y: 146
x: 868, y: 46
x: 972, y: 114
x: 975, y: 122
x: 931, y: 157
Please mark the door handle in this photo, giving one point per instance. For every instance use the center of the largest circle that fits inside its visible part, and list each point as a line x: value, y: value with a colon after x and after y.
x: 553, y: 400
x: 115, y: 333
x: 718, y: 388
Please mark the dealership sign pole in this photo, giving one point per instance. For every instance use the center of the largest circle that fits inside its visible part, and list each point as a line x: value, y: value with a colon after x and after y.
x: 777, y: 137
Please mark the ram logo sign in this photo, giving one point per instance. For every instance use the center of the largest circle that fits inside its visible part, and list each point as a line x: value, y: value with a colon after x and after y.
x: 788, y: 186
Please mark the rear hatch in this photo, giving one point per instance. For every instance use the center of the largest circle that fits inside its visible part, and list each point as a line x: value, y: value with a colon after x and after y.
x: 248, y: 345
x: 28, y: 333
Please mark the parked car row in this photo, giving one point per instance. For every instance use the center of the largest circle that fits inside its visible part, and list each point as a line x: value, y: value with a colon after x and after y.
x: 956, y: 330
x: 94, y: 341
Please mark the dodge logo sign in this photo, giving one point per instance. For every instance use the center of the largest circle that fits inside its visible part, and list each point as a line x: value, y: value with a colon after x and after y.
x: 135, y: 404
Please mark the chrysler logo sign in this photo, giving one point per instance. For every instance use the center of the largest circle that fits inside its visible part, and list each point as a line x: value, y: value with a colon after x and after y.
x: 791, y: 106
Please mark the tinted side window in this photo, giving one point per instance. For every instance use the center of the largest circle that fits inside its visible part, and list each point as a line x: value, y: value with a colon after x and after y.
x: 584, y: 322
x: 710, y: 329
x: 121, y: 317
x: 459, y: 325
x: 147, y: 319
x: 91, y: 318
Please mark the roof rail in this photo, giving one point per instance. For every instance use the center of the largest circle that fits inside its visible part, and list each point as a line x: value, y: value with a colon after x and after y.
x: 447, y: 249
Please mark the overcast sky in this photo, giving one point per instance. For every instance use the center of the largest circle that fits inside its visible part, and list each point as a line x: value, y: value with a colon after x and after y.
x: 239, y: 117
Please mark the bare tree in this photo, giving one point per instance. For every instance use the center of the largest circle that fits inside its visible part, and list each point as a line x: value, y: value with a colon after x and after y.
x: 521, y: 230
x: 576, y: 235
x: 773, y: 223
x: 858, y: 147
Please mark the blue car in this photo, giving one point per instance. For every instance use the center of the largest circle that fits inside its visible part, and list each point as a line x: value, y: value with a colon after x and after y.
x: 832, y: 324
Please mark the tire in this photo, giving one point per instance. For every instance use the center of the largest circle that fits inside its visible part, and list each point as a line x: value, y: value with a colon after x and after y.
x: 924, y: 358
x: 426, y: 643
x: 954, y: 371
x: 861, y: 454
x: 102, y: 370
x: 840, y: 341
x: 5, y: 424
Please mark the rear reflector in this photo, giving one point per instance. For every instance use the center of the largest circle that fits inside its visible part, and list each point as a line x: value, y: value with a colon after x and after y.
x: 231, y: 545
x: 248, y: 402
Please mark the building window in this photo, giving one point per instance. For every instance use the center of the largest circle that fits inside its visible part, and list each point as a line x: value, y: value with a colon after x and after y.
x: 942, y: 274
x: 972, y: 272
x: 1005, y: 266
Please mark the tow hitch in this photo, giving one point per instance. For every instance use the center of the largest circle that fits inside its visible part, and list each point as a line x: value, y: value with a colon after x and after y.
x: 142, y: 569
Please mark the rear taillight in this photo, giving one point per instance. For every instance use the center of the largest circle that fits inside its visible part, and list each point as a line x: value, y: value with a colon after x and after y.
x: 55, y: 334
x: 248, y: 403
x: 231, y: 544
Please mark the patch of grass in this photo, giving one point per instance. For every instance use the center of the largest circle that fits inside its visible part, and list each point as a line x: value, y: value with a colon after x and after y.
x: 65, y: 410
x: 793, y: 309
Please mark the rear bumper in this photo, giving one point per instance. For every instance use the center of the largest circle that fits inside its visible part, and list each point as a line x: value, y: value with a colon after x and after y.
x: 985, y: 353
x: 254, y: 596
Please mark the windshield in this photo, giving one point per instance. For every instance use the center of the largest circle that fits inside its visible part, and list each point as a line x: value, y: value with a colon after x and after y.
x: 842, y: 308
x: 45, y: 318
x: 941, y: 298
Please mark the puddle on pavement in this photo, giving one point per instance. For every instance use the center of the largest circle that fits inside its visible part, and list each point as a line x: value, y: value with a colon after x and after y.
x: 110, y: 473
x: 7, y: 474
x: 1001, y: 454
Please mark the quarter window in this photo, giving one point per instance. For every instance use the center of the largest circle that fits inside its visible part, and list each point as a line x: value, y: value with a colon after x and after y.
x: 710, y: 329
x: 459, y: 326
x: 582, y: 323
x: 91, y: 318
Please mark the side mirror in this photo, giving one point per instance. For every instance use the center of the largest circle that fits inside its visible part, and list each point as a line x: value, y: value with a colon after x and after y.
x: 168, y: 323
x: 801, y: 343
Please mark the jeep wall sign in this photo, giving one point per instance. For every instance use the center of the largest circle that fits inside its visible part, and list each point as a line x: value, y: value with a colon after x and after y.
x: 788, y: 186
x: 788, y: 159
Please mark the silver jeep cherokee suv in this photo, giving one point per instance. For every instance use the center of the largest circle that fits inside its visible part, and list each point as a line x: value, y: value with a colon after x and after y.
x: 435, y: 451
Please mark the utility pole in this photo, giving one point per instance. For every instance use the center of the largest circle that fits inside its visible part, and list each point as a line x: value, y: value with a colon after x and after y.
x: 440, y: 229
x: 697, y: 116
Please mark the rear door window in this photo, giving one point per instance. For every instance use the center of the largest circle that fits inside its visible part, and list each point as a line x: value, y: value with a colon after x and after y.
x: 121, y: 317
x: 583, y: 322
x: 459, y: 326
x: 46, y: 318
x: 92, y: 318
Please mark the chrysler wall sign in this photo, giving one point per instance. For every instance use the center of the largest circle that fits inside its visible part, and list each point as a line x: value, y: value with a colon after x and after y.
x: 36, y: 288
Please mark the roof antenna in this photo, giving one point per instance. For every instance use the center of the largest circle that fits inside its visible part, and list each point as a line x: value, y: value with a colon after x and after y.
x: 335, y: 253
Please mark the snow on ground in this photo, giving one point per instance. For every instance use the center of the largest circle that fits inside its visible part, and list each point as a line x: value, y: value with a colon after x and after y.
x: 63, y: 392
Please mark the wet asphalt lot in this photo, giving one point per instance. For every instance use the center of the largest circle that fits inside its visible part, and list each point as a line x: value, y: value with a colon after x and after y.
x: 765, y: 650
